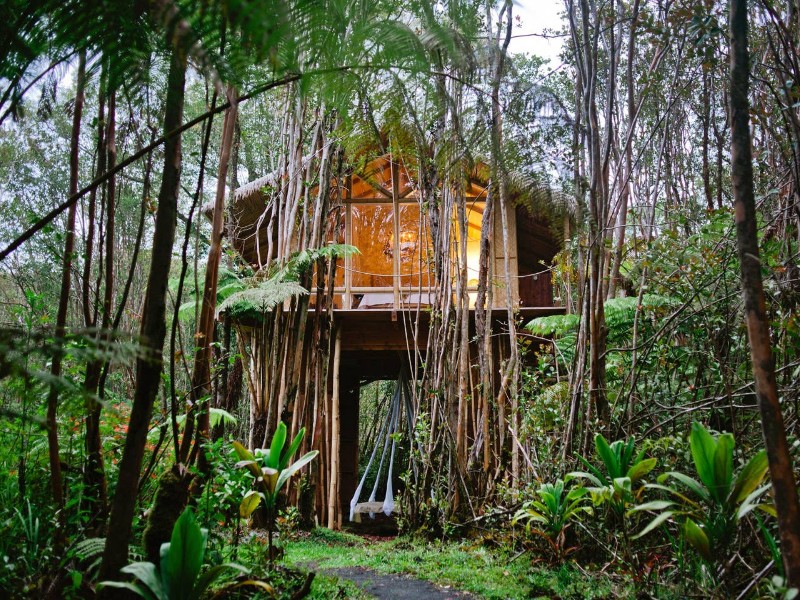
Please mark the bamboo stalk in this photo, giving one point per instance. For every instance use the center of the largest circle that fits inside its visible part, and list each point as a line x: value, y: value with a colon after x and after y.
x: 334, y: 512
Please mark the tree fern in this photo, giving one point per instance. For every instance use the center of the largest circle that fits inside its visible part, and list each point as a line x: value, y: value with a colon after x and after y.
x: 620, y: 315
x: 254, y: 302
x: 229, y: 282
x: 300, y: 262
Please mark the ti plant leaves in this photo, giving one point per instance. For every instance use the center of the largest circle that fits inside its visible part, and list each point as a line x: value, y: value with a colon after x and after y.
x: 709, y: 507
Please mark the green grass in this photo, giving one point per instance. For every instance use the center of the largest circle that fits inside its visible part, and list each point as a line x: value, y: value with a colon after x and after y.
x: 490, y: 574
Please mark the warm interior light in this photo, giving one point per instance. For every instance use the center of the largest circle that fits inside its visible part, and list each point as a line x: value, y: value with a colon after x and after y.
x: 408, y: 245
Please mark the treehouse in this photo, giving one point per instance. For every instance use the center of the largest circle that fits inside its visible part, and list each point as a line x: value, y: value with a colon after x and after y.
x: 370, y: 315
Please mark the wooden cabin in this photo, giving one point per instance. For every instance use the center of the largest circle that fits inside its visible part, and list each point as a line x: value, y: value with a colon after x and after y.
x: 385, y: 290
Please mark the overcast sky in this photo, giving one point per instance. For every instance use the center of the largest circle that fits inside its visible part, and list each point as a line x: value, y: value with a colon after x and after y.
x: 536, y: 16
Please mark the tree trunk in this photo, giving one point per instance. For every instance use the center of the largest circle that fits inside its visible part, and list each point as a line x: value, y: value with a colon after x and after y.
x: 95, y: 477
x: 56, y: 484
x: 153, y: 331
x: 201, y: 374
x: 780, y: 464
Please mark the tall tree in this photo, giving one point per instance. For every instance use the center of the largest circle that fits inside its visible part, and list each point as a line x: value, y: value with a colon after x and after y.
x: 153, y: 332
x: 63, y: 306
x: 763, y: 361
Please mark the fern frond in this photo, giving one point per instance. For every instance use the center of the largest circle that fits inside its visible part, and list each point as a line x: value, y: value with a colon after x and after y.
x: 255, y: 302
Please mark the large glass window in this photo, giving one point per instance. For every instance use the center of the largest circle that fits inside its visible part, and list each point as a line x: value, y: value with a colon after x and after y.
x: 372, y: 232
x: 415, y: 248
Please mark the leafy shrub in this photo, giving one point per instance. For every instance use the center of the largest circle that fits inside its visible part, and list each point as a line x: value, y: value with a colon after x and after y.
x: 552, y: 512
x: 710, y: 513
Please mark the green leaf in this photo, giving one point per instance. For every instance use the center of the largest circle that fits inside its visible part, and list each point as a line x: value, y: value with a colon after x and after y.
x: 640, y: 469
x: 287, y: 456
x: 749, y: 503
x: 692, y: 484
x: 218, y: 415
x: 275, y: 449
x: 656, y: 522
x: 607, y: 455
x: 214, y: 573
x: 136, y: 589
x: 698, y: 539
x: 246, y: 459
x: 185, y: 558
x: 723, y: 467
x: 294, y: 467
x: 703, y: 449
x: 242, y: 452
x: 147, y: 573
x: 249, y: 503
x: 270, y: 477
x: 652, y: 505
x: 584, y: 475
x: 750, y: 476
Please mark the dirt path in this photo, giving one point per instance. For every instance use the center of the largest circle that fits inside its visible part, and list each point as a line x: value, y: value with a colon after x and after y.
x: 396, y: 587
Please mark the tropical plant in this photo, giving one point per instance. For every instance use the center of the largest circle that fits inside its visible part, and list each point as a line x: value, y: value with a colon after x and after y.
x: 178, y: 576
x: 711, y: 512
x: 271, y: 469
x: 550, y: 514
x: 620, y: 484
x: 623, y: 471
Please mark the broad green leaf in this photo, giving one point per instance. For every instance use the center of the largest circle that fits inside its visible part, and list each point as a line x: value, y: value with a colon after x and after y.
x: 692, y: 484
x: 703, y: 449
x: 684, y: 498
x: 136, y: 589
x: 750, y: 503
x: 185, y: 558
x: 251, y: 465
x: 276, y: 447
x: 287, y: 456
x: 210, y: 576
x: 578, y: 492
x: 607, y: 455
x: 723, y: 467
x: 249, y: 503
x: 698, y: 539
x: 750, y: 476
x: 656, y: 522
x: 242, y: 452
x: 641, y: 468
x: 270, y: 477
x: 294, y: 467
x: 584, y: 475
x: 148, y: 574
x: 652, y: 505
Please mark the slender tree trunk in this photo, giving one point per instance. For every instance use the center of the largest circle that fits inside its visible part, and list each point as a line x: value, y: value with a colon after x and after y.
x: 780, y: 463
x: 153, y: 331
x: 95, y: 477
x: 56, y: 483
x: 334, y: 510
x: 201, y: 374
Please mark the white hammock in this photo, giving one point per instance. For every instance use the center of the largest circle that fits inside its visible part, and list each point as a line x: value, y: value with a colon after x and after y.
x: 401, y: 396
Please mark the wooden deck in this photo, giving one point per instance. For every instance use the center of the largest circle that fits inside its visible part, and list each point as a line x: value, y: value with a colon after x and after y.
x: 389, y: 329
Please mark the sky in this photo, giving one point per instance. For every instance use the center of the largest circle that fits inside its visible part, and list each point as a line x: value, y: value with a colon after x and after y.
x: 536, y: 16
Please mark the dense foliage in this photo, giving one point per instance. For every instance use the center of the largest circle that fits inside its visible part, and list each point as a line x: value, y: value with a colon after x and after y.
x: 617, y: 447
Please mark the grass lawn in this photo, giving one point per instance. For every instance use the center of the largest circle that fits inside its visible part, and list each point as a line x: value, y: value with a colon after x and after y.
x: 491, y: 574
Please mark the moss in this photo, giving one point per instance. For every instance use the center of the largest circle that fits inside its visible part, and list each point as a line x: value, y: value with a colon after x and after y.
x: 171, y: 498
